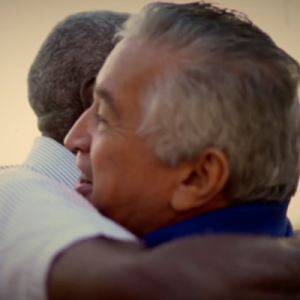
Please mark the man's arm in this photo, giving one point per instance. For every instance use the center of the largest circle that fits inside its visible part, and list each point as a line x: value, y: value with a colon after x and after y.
x: 40, y: 218
x: 211, y: 267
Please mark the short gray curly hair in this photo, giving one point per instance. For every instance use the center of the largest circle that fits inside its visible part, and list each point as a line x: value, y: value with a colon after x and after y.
x: 236, y: 91
x: 73, y: 52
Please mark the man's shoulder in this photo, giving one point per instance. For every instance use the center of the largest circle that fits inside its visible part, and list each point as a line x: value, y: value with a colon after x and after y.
x: 18, y: 169
x: 25, y: 179
x: 14, y: 173
x: 24, y: 183
x: 53, y: 160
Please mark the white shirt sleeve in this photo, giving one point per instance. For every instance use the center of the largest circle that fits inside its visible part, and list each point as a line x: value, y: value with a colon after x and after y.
x: 39, y: 218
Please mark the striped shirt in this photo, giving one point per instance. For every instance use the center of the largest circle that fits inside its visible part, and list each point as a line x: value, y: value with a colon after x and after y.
x: 53, y: 160
x: 40, y: 216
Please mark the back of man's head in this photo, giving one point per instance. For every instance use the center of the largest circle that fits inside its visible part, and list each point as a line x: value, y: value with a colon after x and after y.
x: 71, y: 55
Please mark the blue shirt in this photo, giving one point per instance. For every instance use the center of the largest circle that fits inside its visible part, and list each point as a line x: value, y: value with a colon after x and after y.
x: 259, y: 218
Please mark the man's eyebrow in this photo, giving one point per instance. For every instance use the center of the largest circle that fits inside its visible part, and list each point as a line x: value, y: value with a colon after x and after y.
x: 105, y: 96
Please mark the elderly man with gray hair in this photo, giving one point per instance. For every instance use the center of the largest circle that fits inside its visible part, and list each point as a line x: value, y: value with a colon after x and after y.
x: 55, y: 245
x: 199, y: 108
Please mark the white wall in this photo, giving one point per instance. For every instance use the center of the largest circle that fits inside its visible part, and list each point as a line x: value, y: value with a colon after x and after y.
x: 25, y: 23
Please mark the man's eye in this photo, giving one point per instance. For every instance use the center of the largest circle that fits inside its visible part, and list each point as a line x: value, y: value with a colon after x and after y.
x: 101, y: 119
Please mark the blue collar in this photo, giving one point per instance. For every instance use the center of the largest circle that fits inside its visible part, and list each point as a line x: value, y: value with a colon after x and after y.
x: 263, y: 218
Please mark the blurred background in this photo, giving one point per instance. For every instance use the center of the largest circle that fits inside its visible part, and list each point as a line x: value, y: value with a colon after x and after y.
x: 24, y: 24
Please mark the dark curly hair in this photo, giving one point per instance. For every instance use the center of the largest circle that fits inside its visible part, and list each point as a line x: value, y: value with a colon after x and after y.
x: 72, y: 53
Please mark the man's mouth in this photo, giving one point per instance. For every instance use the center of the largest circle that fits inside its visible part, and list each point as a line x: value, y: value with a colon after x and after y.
x: 84, y: 179
x: 84, y: 186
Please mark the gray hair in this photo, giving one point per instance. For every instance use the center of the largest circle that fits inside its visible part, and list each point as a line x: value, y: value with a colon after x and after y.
x: 72, y: 53
x: 236, y: 90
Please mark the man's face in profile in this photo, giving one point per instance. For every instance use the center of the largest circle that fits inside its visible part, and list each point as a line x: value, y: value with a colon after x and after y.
x: 129, y: 183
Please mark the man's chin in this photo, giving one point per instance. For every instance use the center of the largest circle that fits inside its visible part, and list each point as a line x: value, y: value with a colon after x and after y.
x: 85, y: 189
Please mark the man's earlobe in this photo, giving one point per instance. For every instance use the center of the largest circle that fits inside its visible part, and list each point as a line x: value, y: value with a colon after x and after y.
x: 86, y: 93
x: 206, y: 178
x: 214, y: 169
x: 186, y: 197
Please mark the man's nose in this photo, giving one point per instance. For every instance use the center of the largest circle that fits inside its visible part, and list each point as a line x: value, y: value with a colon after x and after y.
x: 79, y: 138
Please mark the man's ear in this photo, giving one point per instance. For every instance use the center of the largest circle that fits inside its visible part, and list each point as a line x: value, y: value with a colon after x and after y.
x: 86, y: 93
x: 204, y: 179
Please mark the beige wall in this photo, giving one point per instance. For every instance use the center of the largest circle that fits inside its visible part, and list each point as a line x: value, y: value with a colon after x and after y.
x: 25, y: 23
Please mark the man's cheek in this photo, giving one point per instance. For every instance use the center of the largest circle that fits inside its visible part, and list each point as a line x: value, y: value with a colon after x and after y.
x: 106, y: 190
x: 105, y: 153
